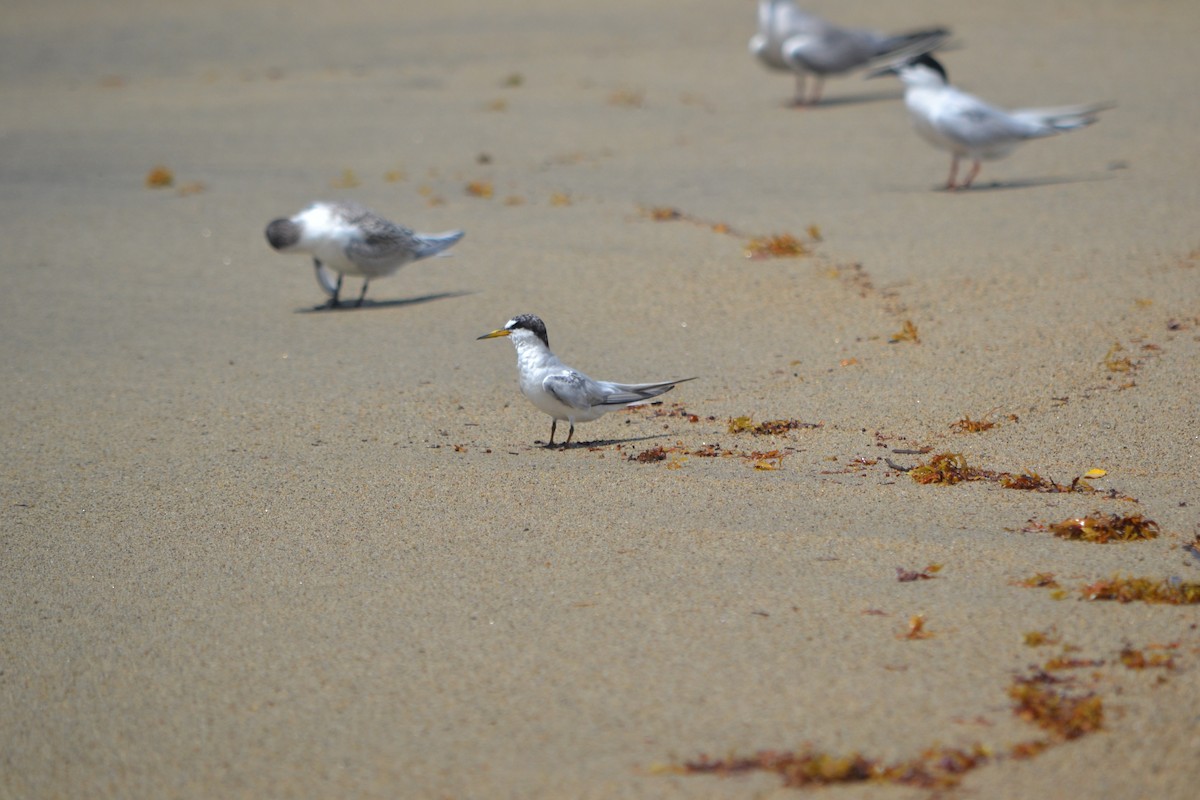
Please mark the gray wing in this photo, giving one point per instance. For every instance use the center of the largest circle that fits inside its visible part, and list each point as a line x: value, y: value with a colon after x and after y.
x: 831, y: 49
x: 575, y: 390
x: 383, y: 243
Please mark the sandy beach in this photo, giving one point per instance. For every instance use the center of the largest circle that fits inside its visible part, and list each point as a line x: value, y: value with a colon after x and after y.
x: 254, y: 550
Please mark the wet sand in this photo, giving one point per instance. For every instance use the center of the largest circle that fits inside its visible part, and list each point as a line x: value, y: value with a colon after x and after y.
x: 255, y: 551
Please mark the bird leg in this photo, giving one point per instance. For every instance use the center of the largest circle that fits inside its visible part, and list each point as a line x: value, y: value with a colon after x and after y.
x: 818, y: 89
x: 808, y: 99
x: 553, y: 425
x: 953, y: 172
x: 366, y: 282
x: 971, y: 175
x: 332, y: 292
x: 570, y: 433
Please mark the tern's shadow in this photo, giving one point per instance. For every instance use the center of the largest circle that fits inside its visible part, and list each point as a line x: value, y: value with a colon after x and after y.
x: 600, y: 442
x: 371, y: 304
x: 1027, y: 183
x: 846, y: 100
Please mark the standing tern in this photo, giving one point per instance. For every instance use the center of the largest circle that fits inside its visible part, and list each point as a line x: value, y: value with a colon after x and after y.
x: 950, y: 119
x: 795, y: 40
x: 350, y: 240
x: 562, y: 392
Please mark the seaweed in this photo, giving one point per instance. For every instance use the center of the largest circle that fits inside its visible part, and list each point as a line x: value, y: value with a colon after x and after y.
x: 916, y: 629
x: 159, y: 178
x: 1064, y: 662
x: 1146, y: 590
x: 907, y: 333
x: 1063, y: 715
x: 771, y: 427
x: 952, y: 468
x: 1137, y: 659
x: 1041, y: 580
x: 1042, y: 638
x: 906, y: 575
x: 946, y: 468
x: 934, y: 768
x: 1115, y: 362
x: 968, y: 425
x: 480, y: 189
x: 780, y: 245
x: 670, y: 214
x: 663, y: 213
x: 650, y: 456
x: 1101, y: 528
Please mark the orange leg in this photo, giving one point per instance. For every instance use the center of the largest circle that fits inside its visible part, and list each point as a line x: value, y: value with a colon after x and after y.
x: 971, y: 175
x: 953, y: 173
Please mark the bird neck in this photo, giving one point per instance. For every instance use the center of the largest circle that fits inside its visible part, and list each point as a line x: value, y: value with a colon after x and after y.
x: 532, y: 354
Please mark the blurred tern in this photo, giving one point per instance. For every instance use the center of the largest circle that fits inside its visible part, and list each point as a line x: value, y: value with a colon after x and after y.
x: 795, y: 40
x: 350, y: 240
x: 562, y: 392
x: 950, y: 119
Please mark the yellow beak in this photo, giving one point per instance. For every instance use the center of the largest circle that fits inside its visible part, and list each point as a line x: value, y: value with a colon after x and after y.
x: 494, y: 334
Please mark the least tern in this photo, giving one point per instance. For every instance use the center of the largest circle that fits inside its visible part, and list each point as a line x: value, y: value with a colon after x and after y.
x: 795, y: 40
x: 562, y: 392
x: 950, y: 119
x: 350, y: 240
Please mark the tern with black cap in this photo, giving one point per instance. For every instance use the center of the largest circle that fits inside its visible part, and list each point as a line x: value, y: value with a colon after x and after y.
x: 950, y: 119
x: 567, y: 394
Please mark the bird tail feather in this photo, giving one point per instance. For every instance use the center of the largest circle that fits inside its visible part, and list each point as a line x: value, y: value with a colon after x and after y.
x: 432, y: 244
x: 1064, y: 118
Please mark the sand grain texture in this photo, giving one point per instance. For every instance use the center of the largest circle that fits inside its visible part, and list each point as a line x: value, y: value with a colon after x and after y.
x: 253, y: 551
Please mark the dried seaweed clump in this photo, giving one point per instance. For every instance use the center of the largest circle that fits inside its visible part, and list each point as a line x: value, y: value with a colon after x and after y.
x: 159, y: 178
x: 1065, y: 716
x: 782, y: 245
x: 907, y: 575
x: 1040, y: 580
x: 1102, y: 528
x: 1070, y: 662
x: 952, y: 468
x: 771, y: 427
x: 1147, y: 590
x: 907, y: 333
x: 1137, y: 659
x: 650, y: 456
x: 936, y: 768
x: 663, y: 213
x: 968, y: 425
x: 1041, y: 638
x: 1115, y: 362
x: 482, y: 189
x: 916, y: 629
x: 947, y: 468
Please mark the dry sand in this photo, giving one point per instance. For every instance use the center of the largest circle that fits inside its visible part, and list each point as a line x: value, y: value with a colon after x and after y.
x: 250, y: 551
